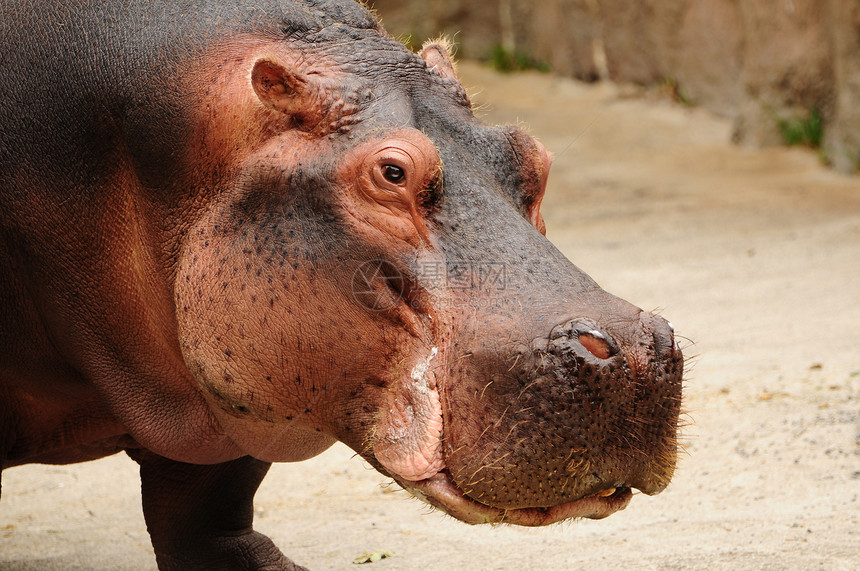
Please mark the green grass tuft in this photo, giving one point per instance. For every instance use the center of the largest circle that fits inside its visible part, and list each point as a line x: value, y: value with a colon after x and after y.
x: 505, y: 60
x: 806, y: 131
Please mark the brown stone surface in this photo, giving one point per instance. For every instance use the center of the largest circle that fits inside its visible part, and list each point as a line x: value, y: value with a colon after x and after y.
x: 842, y: 142
x: 708, y: 61
x: 475, y: 26
x: 787, y: 66
x: 638, y: 38
x: 562, y: 34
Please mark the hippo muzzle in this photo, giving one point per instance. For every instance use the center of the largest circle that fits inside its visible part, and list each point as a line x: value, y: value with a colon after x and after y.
x: 566, y: 425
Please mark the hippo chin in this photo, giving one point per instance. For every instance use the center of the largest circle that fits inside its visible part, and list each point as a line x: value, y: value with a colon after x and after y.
x: 236, y: 233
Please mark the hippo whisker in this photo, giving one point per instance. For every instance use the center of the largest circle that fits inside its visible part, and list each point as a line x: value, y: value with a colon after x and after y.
x: 484, y: 465
x: 481, y: 397
x: 516, y: 360
x: 581, y: 133
x: 513, y: 428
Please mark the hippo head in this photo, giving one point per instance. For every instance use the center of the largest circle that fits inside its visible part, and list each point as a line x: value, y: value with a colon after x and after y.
x: 370, y: 266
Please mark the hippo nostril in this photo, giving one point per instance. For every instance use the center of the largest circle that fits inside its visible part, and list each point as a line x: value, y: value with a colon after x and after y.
x: 664, y: 337
x: 581, y: 335
x: 596, y: 344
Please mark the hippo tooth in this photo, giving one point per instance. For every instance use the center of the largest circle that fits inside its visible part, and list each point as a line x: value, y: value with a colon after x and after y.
x: 605, y: 493
x: 596, y: 334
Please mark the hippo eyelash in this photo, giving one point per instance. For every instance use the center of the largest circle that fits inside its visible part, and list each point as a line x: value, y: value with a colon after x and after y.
x: 432, y: 193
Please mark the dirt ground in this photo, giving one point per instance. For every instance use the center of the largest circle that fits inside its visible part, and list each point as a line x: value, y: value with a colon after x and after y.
x: 753, y: 255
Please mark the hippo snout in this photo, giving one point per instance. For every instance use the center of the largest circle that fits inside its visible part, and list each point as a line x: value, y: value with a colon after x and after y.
x: 588, y: 411
x: 648, y: 341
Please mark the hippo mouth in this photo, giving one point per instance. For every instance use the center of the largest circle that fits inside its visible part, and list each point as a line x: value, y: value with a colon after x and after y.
x: 441, y: 492
x: 410, y: 445
x: 412, y: 455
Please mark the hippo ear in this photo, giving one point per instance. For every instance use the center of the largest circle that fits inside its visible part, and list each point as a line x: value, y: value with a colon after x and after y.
x: 438, y: 56
x: 283, y: 89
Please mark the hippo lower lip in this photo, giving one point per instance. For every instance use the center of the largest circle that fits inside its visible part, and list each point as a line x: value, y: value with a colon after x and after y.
x: 439, y: 491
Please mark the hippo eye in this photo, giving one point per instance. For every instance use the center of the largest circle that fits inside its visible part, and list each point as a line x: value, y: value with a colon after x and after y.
x: 393, y: 174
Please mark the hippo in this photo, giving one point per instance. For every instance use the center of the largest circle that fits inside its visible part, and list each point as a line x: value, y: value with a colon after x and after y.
x: 234, y: 233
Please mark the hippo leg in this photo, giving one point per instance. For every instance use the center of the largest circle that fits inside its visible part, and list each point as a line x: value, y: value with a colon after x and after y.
x: 201, y: 517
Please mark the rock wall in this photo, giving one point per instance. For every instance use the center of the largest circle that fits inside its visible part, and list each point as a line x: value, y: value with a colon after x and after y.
x: 842, y: 138
x: 757, y: 61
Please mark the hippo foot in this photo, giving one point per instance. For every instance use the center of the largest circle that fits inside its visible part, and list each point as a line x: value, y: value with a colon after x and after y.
x: 201, y: 516
x: 249, y: 551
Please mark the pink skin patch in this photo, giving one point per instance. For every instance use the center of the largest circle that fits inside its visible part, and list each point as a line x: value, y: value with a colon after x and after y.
x: 409, y: 437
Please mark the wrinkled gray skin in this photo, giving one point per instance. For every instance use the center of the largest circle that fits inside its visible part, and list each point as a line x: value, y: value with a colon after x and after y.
x: 235, y: 234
